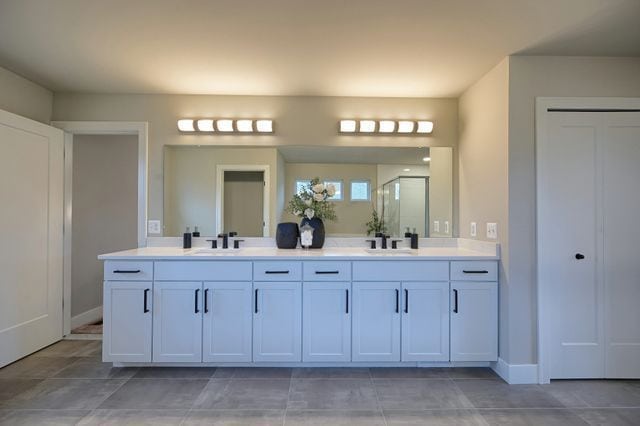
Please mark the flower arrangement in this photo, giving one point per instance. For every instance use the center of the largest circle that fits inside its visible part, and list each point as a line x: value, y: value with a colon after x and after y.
x: 313, y: 201
x: 376, y: 224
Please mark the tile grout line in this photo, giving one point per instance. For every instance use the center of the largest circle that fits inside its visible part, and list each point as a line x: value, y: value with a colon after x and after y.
x: 380, y: 408
x: 286, y: 405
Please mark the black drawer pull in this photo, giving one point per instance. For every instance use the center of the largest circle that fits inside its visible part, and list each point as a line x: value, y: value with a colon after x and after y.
x: 397, y: 300
x: 455, y: 301
x: 146, y: 301
x: 327, y: 272
x: 125, y: 271
x: 206, y: 302
x: 196, y: 310
x: 276, y: 272
x: 475, y: 272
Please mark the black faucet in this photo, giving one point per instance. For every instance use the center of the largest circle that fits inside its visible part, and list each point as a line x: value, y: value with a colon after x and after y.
x: 225, y: 240
x: 384, y: 241
x: 394, y: 243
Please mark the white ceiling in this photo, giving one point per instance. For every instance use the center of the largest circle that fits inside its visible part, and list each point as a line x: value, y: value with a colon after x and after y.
x: 414, y: 48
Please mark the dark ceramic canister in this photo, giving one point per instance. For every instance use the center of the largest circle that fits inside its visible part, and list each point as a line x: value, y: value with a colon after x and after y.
x: 318, y: 231
x: 287, y: 235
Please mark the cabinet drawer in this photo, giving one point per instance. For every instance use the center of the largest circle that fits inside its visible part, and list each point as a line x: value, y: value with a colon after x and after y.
x: 399, y: 270
x: 277, y: 271
x: 474, y: 270
x: 128, y: 270
x: 326, y: 271
x: 203, y: 271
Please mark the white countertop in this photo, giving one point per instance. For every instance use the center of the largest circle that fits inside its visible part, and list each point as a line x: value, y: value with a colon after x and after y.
x: 272, y: 253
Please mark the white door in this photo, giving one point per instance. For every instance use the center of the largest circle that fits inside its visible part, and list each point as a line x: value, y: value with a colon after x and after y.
x: 376, y: 321
x: 177, y: 321
x: 474, y: 321
x: 227, y: 320
x: 326, y: 333
x: 277, y: 321
x: 425, y: 321
x: 31, y: 219
x: 621, y: 270
x: 127, y: 319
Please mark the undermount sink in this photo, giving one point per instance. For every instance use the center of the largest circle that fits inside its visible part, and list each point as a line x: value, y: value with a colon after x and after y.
x: 391, y: 252
x: 213, y: 252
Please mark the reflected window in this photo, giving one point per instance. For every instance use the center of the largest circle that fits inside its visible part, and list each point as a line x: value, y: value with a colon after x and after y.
x: 302, y: 185
x: 360, y: 190
x: 338, y: 185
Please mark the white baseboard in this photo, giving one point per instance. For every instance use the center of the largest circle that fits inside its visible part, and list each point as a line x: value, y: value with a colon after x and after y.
x: 516, y: 374
x: 87, y: 317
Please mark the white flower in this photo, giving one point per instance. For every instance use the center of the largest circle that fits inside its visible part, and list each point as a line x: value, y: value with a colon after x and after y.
x: 318, y: 197
x: 297, y: 212
x: 331, y: 190
x: 308, y: 202
x: 309, y: 213
x: 318, y: 188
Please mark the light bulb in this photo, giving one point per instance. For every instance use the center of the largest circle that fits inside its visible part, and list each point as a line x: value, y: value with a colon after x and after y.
x: 186, y: 125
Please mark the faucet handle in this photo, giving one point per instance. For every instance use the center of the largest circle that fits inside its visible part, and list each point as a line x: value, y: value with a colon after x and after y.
x: 394, y: 243
x: 232, y: 234
x: 373, y: 244
x: 236, y: 243
x: 222, y: 235
x: 214, y: 243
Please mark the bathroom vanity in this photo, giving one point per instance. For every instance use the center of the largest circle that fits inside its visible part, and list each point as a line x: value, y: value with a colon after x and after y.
x: 339, y: 306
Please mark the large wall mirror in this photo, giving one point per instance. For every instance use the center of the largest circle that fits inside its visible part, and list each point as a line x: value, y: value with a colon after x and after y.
x: 246, y: 189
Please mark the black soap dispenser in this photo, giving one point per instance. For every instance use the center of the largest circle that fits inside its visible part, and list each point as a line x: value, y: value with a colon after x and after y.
x: 407, y: 233
x: 196, y: 233
x: 186, y: 239
x: 414, y: 239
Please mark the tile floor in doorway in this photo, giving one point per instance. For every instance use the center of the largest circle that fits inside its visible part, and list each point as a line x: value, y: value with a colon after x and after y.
x: 67, y: 384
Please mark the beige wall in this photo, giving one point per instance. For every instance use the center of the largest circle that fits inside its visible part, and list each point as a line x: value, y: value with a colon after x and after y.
x: 23, y: 97
x: 298, y: 121
x: 352, y: 215
x: 105, y: 210
x: 190, y: 184
x: 441, y: 191
x: 483, y: 171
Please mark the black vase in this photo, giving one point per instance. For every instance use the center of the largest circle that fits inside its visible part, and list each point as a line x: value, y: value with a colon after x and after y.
x: 318, y: 231
x: 287, y: 235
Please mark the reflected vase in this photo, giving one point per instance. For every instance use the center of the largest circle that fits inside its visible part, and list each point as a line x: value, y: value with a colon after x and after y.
x: 287, y: 235
x: 318, y: 231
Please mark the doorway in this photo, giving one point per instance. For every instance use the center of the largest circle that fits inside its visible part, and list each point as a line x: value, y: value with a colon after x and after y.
x: 243, y: 202
x: 588, y: 272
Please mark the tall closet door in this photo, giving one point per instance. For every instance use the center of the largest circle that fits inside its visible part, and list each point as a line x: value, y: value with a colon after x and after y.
x: 621, y: 179
x: 569, y: 237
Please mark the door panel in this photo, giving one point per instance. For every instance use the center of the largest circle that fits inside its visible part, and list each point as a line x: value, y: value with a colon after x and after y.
x: 31, y: 196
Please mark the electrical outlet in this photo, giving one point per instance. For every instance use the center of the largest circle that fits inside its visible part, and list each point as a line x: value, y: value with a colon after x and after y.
x: 474, y: 229
x: 492, y: 231
x: 153, y: 227
x: 436, y: 226
x: 446, y: 226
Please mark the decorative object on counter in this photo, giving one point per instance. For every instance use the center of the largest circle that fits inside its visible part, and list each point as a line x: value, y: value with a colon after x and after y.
x: 196, y: 233
x: 306, y: 235
x: 407, y: 233
x: 186, y: 239
x: 414, y: 241
x: 376, y: 224
x: 312, y: 205
x: 287, y: 234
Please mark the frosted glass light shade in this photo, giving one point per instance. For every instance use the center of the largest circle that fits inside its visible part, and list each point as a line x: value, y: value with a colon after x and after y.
x: 386, y: 126
x: 224, y: 125
x: 244, y: 125
x: 264, y: 126
x: 205, y: 125
x: 347, y: 126
x: 367, y: 126
x: 186, y: 125
x: 426, y: 159
x: 425, y: 127
x: 405, y: 126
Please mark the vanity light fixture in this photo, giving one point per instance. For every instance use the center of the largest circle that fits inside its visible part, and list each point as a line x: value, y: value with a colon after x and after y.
x: 225, y: 125
x: 426, y: 159
x: 387, y: 127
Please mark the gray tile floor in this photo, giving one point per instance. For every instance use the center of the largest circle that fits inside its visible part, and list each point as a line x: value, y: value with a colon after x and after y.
x: 66, y: 384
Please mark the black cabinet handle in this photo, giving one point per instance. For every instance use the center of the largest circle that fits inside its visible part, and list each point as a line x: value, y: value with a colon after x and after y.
x: 255, y: 308
x: 327, y: 272
x: 146, y: 301
x: 347, y: 309
x: 579, y: 256
x: 276, y: 272
x: 397, y: 300
x: 475, y: 272
x: 196, y: 310
x: 127, y: 271
x: 206, y: 302
x: 455, y: 301
x: 406, y: 301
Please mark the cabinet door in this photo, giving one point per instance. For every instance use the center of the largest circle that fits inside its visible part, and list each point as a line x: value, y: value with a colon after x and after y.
x: 376, y: 321
x: 177, y: 321
x: 127, y: 321
x: 425, y: 321
x: 227, y: 322
x: 474, y: 321
x: 277, y: 318
x: 326, y: 321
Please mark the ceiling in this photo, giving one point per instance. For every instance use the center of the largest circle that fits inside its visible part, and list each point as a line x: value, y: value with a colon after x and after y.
x: 404, y: 48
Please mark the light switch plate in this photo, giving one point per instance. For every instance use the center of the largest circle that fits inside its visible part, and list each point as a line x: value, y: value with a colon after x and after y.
x: 436, y: 226
x: 492, y: 231
x: 446, y: 226
x: 474, y: 229
x: 153, y: 227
